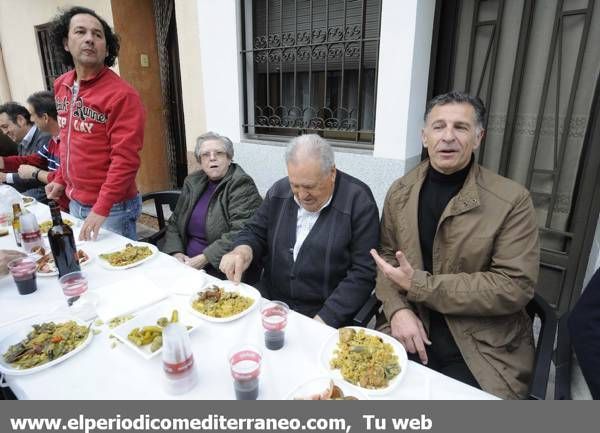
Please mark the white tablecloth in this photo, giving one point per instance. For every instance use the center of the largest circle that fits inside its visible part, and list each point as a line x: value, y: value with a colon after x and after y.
x: 103, y: 372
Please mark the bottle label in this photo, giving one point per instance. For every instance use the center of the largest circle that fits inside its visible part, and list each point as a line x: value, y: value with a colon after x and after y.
x: 179, y: 368
x: 31, y: 236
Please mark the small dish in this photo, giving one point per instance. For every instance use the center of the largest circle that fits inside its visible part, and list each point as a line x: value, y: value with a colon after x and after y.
x: 315, y: 388
x: 54, y: 272
x: 242, y: 289
x: 149, y: 318
x: 28, y: 201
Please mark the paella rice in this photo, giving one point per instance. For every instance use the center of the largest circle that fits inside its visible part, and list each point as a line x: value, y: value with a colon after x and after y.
x: 46, y: 342
x: 217, y: 302
x: 365, y: 360
x: 130, y: 254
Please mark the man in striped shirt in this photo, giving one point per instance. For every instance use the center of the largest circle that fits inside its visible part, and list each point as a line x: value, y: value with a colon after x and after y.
x: 43, y: 164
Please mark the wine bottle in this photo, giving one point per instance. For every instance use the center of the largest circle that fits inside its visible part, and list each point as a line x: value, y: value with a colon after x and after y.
x: 16, y: 222
x: 62, y: 243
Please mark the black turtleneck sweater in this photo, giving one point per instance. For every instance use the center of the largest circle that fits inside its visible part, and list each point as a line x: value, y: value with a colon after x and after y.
x: 436, y: 192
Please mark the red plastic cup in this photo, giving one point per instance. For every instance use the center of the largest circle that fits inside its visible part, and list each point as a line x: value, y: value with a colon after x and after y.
x: 274, y: 319
x: 244, y: 363
x: 23, y: 272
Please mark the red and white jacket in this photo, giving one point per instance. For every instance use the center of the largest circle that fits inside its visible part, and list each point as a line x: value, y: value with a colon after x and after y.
x: 101, y: 135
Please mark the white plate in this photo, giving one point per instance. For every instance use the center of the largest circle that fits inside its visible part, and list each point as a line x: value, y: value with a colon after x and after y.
x: 149, y: 318
x: 30, y: 200
x: 55, y: 273
x: 107, y: 265
x: 320, y: 384
x: 73, y: 224
x: 331, y: 344
x: 22, y: 332
x: 242, y: 289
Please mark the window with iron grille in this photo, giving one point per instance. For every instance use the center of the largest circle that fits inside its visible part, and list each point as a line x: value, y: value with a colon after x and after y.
x: 310, y: 66
x: 52, y: 67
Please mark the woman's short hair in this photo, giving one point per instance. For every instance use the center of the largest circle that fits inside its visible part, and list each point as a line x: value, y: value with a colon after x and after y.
x: 208, y: 136
x: 313, y: 144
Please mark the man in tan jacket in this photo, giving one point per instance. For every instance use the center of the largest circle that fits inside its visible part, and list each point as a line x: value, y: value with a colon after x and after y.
x: 459, y: 258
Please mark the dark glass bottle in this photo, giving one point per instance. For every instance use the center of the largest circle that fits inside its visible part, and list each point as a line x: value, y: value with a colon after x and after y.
x: 62, y: 243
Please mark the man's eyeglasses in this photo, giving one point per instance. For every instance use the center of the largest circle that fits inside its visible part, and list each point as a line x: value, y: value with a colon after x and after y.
x: 217, y: 153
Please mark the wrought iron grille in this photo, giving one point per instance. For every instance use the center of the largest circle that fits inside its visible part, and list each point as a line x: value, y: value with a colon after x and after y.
x: 311, y: 66
x: 52, y: 67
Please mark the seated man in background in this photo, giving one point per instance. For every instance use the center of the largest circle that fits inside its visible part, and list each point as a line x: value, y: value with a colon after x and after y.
x: 460, y: 257
x: 7, y: 146
x: 312, y: 234
x: 42, y: 165
x: 15, y: 121
x: 584, y: 327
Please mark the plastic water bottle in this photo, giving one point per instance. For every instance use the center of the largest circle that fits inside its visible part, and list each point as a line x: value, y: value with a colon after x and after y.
x: 30, y: 232
x: 178, y: 360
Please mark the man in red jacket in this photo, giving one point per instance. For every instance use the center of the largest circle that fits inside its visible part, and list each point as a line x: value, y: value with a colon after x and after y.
x: 101, y: 120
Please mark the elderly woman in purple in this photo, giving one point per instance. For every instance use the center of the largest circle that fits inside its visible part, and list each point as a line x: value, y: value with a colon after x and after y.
x: 214, y: 205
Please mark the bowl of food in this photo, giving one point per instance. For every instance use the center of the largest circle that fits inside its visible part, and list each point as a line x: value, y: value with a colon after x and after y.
x: 46, y: 267
x: 365, y: 359
x: 326, y: 388
x: 46, y: 225
x: 224, y: 302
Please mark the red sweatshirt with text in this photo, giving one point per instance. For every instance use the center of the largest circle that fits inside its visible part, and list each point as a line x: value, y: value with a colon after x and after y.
x: 101, y: 135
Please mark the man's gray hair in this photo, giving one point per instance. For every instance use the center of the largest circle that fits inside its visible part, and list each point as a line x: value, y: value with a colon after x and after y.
x: 213, y: 136
x: 313, y: 145
x: 459, y: 98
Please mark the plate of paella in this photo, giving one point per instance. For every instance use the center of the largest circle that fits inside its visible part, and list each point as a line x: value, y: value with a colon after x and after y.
x: 38, y: 346
x: 368, y: 360
x: 130, y: 255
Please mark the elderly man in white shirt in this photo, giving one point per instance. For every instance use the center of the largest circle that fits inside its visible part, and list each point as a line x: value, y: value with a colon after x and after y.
x: 312, y: 234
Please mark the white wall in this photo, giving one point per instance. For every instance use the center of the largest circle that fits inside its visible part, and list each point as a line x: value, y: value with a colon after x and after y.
x: 18, y: 40
x: 404, y: 52
x: 219, y: 54
x: 191, y: 70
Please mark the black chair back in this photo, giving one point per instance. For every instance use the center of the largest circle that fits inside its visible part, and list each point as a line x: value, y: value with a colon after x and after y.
x: 160, y: 198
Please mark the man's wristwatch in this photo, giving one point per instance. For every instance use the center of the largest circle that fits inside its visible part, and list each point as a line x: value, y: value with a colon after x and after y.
x: 34, y: 174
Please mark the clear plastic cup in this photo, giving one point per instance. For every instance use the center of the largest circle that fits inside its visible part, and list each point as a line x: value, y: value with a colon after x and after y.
x: 22, y: 270
x: 81, y: 303
x: 178, y: 360
x: 274, y: 319
x: 244, y: 363
x: 73, y: 286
